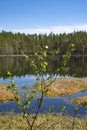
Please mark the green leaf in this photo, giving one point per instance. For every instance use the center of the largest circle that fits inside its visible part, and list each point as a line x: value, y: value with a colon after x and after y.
x: 62, y: 108
x: 56, y: 52
x: 25, y: 115
x: 33, y: 91
x: 19, y: 103
x: 44, y: 54
x: 48, y: 78
x: 51, y: 109
x: 42, y: 103
x: 9, y: 73
x: 37, y: 78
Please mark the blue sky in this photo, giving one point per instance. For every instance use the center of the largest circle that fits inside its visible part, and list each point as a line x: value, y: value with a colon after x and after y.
x: 43, y: 16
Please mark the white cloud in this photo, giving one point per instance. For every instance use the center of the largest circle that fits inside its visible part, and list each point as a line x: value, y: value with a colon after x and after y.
x: 54, y: 29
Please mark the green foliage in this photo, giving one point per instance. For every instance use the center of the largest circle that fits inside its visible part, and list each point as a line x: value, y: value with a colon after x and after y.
x: 11, y: 44
x: 62, y: 108
x: 51, y: 109
x: 39, y: 70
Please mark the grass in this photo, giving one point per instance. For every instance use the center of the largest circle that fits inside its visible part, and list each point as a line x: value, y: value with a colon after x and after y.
x: 43, y: 122
x: 63, y: 86
x: 11, y: 121
x: 5, y: 94
x: 81, y: 100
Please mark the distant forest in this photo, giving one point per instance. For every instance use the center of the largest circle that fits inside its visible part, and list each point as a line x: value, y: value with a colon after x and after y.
x: 15, y: 43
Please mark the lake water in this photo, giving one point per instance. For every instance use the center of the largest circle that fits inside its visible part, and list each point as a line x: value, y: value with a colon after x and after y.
x: 23, y: 74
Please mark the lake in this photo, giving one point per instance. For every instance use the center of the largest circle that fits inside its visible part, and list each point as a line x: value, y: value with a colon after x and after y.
x: 23, y: 74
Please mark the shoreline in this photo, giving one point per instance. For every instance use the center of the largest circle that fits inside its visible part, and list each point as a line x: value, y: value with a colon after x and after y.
x: 5, y: 94
x: 61, y: 86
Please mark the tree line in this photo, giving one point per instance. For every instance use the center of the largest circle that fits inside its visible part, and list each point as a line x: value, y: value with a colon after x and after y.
x: 15, y: 43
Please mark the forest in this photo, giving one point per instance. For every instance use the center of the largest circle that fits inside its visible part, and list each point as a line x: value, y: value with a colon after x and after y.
x: 15, y: 43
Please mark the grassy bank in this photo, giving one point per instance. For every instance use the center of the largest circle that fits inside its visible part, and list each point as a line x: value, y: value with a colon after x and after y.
x: 60, y: 87
x: 81, y: 100
x: 43, y: 122
x: 64, y: 86
x: 11, y: 121
x: 5, y: 94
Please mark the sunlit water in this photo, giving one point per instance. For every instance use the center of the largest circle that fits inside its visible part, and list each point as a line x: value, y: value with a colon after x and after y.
x: 26, y: 77
x: 55, y: 102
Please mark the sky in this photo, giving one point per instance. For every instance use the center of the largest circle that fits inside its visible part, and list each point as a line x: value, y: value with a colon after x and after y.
x: 43, y: 16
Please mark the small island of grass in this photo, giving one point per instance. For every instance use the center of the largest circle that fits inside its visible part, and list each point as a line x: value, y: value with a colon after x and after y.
x: 81, y: 100
x: 63, y: 86
x: 5, y: 94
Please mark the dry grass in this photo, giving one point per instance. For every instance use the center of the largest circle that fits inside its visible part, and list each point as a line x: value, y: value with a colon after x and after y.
x: 64, y: 86
x: 61, y: 86
x: 12, y: 122
x: 5, y: 94
x: 81, y: 100
x: 46, y: 122
x: 43, y: 122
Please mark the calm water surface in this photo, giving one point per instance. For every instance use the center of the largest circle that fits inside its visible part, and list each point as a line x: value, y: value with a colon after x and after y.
x: 23, y: 74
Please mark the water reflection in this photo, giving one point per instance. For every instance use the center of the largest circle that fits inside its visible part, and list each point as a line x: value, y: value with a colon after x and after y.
x: 77, y: 66
x: 22, y: 73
